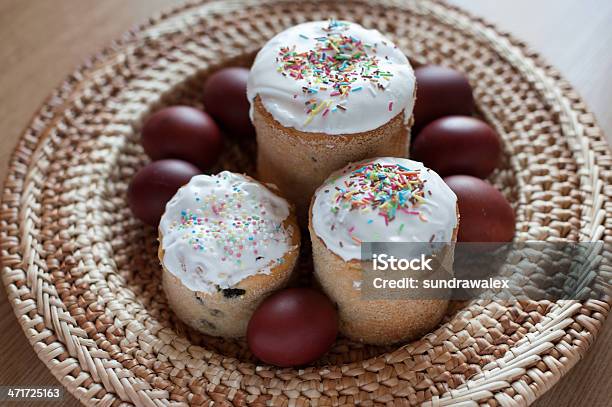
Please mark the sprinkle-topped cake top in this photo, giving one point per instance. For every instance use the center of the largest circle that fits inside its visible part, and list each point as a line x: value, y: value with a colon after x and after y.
x: 219, y: 229
x: 333, y: 77
x: 383, y: 200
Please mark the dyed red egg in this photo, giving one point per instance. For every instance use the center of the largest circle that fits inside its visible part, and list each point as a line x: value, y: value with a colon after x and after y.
x: 458, y: 145
x: 154, y: 185
x: 293, y: 327
x: 485, y: 215
x: 225, y: 98
x: 184, y: 133
x: 441, y: 91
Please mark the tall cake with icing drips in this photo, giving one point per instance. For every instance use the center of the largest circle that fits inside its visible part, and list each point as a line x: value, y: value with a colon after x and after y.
x: 380, y: 200
x: 323, y: 94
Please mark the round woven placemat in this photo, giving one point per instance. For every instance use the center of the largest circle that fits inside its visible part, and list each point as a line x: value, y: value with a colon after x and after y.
x: 83, y: 276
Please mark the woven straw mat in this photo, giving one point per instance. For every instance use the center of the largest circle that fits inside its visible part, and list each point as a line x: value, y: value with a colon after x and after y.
x: 83, y: 276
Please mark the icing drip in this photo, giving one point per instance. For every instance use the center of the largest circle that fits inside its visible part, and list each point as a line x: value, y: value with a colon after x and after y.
x: 333, y: 77
x: 218, y: 230
x: 383, y: 200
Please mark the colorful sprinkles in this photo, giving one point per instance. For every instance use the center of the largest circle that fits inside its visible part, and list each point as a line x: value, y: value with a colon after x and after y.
x: 383, y: 188
x: 231, y: 225
x: 337, y: 61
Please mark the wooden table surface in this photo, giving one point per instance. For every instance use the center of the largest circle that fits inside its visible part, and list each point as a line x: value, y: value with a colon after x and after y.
x: 41, y: 41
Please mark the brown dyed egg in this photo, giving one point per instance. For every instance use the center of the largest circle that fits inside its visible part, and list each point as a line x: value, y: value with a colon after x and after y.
x: 458, y: 145
x: 485, y: 215
x: 293, y: 327
x: 225, y: 98
x: 154, y: 185
x: 441, y: 91
x: 184, y: 133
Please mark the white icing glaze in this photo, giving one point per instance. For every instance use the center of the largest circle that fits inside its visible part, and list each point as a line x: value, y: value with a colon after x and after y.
x: 217, y: 230
x: 343, y: 220
x: 367, y: 106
